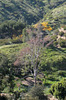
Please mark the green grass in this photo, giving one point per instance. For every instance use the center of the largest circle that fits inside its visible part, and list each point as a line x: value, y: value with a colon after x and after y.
x: 12, y: 49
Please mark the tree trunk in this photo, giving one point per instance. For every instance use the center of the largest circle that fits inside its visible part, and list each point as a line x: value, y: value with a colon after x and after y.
x: 35, y: 74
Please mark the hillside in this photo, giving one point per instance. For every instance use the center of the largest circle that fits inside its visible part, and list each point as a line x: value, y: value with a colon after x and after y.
x: 32, y: 49
x: 52, y: 66
x: 29, y: 11
x: 56, y: 16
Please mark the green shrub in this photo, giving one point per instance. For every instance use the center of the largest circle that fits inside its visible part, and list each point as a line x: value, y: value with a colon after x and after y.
x: 16, y: 40
x: 62, y: 73
x: 37, y: 92
x: 62, y: 42
x: 54, y: 37
x: 3, y: 64
x: 65, y: 34
x: 55, y: 43
x: 64, y: 28
x: 52, y: 60
x: 59, y: 89
x: 51, y: 77
x: 61, y: 33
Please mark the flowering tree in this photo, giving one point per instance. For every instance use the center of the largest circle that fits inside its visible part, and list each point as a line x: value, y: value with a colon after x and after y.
x: 44, y: 25
x: 29, y: 57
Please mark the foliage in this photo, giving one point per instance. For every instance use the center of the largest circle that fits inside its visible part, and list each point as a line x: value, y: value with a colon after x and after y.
x: 62, y: 73
x: 62, y: 42
x: 11, y: 82
x: 17, y: 39
x: 26, y: 11
x: 10, y: 28
x: 52, y: 59
x: 12, y: 49
x: 55, y: 43
x: 56, y: 16
x: 37, y: 92
x: 44, y: 25
x: 52, y: 55
x: 3, y: 64
x: 61, y: 33
x: 5, y: 41
x: 59, y: 89
x: 29, y: 11
x: 39, y: 28
x: 54, y: 37
x: 65, y: 28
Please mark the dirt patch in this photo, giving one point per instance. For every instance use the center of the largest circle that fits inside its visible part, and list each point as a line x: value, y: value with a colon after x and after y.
x: 51, y: 97
x: 28, y: 81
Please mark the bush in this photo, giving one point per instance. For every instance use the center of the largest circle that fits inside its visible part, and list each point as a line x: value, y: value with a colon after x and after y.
x: 37, y: 92
x: 16, y: 41
x: 65, y: 34
x: 62, y: 43
x: 64, y: 28
x: 55, y: 43
x: 52, y: 78
x: 10, y: 27
x: 59, y: 89
x: 61, y: 33
x: 3, y: 98
x: 3, y: 64
x: 62, y: 73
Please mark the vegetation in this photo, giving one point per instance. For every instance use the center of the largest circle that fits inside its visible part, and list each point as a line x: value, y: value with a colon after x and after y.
x: 62, y: 42
x: 37, y: 92
x: 32, y: 49
x: 59, y: 89
x: 61, y: 33
x: 31, y: 11
x: 10, y: 28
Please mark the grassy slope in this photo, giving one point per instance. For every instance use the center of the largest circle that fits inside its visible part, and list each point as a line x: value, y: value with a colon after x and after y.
x: 11, y: 49
x: 14, y: 48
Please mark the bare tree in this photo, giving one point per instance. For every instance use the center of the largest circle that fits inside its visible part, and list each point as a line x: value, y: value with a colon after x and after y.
x: 30, y: 55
